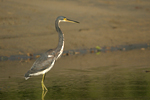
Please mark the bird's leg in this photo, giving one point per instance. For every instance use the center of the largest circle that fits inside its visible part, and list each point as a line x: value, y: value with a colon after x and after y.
x: 42, y: 82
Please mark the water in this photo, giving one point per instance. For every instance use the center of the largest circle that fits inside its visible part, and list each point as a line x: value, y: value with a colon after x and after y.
x: 107, y: 76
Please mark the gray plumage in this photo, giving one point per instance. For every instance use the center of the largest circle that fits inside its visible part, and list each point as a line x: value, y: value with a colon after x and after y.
x: 46, y: 61
x: 42, y: 63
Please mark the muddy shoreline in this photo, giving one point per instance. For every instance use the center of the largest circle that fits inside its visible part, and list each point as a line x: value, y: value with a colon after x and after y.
x: 28, y: 26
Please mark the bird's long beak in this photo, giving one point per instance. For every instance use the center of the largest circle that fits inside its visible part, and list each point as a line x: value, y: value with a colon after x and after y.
x: 72, y: 21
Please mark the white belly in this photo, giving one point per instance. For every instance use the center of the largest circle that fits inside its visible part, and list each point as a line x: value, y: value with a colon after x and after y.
x: 44, y: 71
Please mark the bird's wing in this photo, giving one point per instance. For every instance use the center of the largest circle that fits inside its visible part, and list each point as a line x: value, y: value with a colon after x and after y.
x: 43, y: 62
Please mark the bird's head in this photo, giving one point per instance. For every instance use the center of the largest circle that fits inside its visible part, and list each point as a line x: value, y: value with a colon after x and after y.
x: 64, y: 19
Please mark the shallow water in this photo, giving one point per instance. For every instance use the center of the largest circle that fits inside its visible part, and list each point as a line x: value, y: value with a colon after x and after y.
x: 107, y: 76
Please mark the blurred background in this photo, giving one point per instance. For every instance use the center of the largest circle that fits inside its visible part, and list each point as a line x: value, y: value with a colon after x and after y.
x: 28, y: 27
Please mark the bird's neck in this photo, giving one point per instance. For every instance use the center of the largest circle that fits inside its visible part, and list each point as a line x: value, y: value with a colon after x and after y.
x: 60, y: 47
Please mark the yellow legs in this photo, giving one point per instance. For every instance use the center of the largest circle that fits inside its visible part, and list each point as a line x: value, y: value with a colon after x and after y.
x: 42, y: 82
x: 43, y: 87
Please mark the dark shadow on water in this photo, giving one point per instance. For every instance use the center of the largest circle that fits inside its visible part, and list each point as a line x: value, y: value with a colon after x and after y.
x: 96, y: 50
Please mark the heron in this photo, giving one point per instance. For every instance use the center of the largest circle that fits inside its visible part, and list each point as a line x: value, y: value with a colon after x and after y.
x: 46, y: 61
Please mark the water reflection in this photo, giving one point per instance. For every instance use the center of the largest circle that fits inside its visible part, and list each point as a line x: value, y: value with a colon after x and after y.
x: 107, y: 76
x: 43, y: 94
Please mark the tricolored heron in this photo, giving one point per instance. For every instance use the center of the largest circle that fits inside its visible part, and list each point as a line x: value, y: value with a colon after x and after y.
x: 46, y: 61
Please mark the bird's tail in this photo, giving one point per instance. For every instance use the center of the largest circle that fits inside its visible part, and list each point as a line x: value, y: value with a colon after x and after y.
x: 27, y: 75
